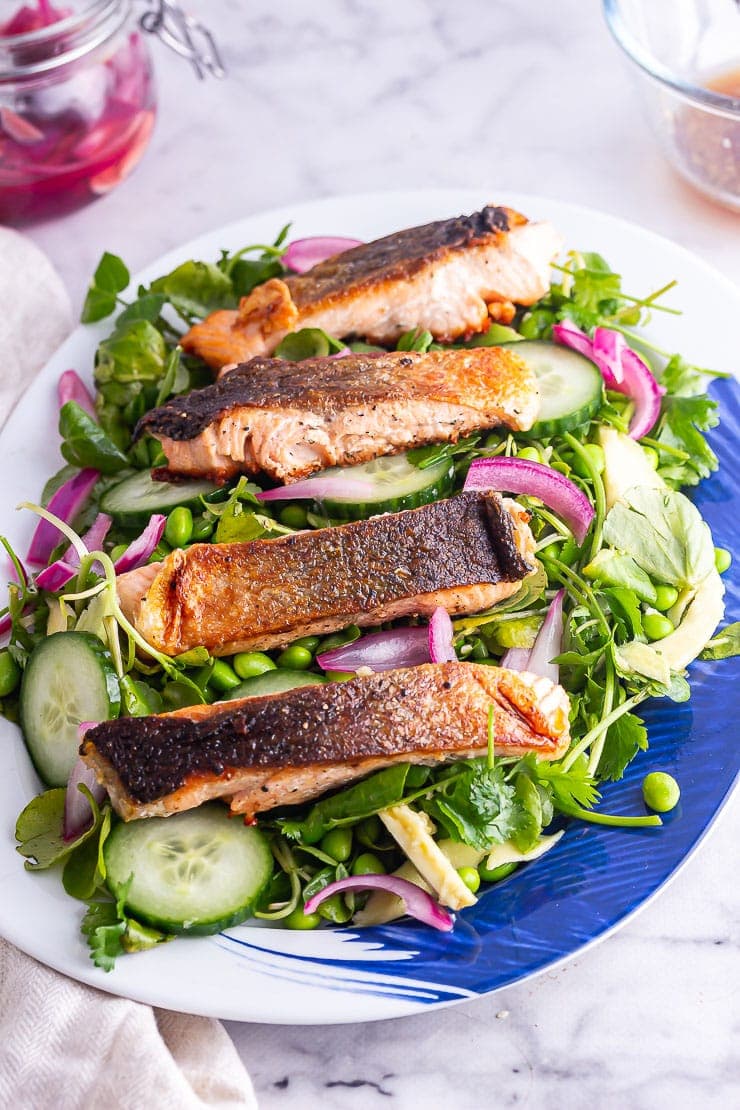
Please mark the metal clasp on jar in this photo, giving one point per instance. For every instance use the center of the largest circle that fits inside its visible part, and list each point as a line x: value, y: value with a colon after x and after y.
x: 184, y: 34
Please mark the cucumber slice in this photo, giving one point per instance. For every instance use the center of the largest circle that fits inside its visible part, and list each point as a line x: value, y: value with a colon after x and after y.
x: 571, y: 386
x: 394, y: 484
x: 273, y: 682
x: 133, y: 500
x: 196, y: 872
x: 68, y: 679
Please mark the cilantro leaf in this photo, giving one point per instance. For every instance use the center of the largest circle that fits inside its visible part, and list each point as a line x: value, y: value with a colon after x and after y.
x: 624, y: 739
x: 683, y: 421
x: 104, y: 930
x: 574, y: 787
x: 111, y: 932
x: 478, y: 807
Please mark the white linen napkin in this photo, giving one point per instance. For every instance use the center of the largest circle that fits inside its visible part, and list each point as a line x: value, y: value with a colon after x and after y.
x: 64, y: 1045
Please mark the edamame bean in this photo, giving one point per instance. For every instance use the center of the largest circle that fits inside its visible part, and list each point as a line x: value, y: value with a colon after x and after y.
x: 247, y: 664
x: 530, y: 454
x: 334, y: 909
x: 161, y: 551
x: 223, y: 677
x: 179, y: 526
x: 10, y: 674
x: 337, y: 843
x: 656, y: 626
x: 339, y: 676
x: 368, y: 864
x: 339, y: 639
x: 202, y: 530
x: 596, y: 458
x: 295, y: 658
x: 293, y: 516
x: 660, y: 791
x: 309, y: 642
x: 470, y: 877
x: 665, y: 597
x: 370, y: 831
x: 722, y: 559
x: 300, y: 920
x: 495, y: 874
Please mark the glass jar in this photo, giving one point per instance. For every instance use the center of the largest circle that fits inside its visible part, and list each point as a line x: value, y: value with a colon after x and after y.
x: 77, y: 105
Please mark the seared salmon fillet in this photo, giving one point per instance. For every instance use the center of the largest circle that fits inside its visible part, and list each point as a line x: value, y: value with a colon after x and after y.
x: 290, y: 419
x: 450, y: 277
x: 465, y: 553
x: 285, y: 749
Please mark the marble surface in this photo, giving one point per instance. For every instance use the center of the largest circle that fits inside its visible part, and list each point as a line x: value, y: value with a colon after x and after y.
x: 349, y: 95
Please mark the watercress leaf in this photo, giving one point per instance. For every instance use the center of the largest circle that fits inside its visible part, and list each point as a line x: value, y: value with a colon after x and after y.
x: 613, y: 568
x: 415, y: 340
x: 39, y: 830
x: 196, y: 288
x: 85, y: 444
x: 147, y: 306
x: 623, y: 740
x: 625, y: 608
x: 110, y: 278
x: 82, y: 874
x: 664, y: 533
x: 247, y: 273
x: 307, y: 343
x: 139, y: 698
x: 725, y: 644
x: 136, y: 352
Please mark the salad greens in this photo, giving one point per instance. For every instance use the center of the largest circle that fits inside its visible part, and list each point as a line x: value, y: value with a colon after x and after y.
x: 648, y: 554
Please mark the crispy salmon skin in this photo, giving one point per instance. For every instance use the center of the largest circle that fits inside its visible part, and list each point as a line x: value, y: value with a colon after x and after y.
x: 290, y: 419
x: 465, y: 553
x: 450, y: 277
x: 285, y: 749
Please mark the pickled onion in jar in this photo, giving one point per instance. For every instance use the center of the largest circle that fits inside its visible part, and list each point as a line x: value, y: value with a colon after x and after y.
x: 72, y: 132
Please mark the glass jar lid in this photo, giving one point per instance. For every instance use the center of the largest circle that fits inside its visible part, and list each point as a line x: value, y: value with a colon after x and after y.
x: 39, y: 36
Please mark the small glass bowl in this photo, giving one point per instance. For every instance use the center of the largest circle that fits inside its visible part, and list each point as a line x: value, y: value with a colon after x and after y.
x: 686, y: 58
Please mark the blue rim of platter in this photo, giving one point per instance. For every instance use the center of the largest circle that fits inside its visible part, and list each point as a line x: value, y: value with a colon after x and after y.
x: 595, y: 876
